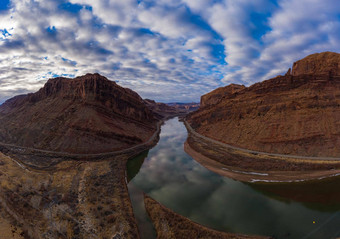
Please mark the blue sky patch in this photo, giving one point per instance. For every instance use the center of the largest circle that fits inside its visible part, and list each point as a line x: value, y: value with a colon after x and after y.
x: 73, y: 63
x: 4, y: 5
x: 5, y: 33
x: 154, y: 46
x: 260, y: 24
x: 73, y: 8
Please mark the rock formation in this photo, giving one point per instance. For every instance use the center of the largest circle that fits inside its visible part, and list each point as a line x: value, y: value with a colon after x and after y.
x: 298, y: 113
x: 326, y: 63
x: 87, y: 114
x: 185, y: 107
x: 217, y: 95
x: 163, y: 111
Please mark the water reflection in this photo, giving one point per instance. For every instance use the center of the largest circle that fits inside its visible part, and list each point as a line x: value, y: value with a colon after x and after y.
x: 133, y: 166
x: 173, y: 178
x: 319, y: 195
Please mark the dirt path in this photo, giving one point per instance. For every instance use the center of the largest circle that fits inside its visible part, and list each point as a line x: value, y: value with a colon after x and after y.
x: 114, y: 153
x: 192, y: 131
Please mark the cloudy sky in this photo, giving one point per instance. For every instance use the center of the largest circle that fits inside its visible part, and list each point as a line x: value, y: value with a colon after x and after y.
x: 167, y: 50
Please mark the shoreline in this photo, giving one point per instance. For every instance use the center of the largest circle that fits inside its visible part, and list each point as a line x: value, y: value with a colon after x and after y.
x: 169, y: 224
x: 256, y: 167
x: 243, y: 175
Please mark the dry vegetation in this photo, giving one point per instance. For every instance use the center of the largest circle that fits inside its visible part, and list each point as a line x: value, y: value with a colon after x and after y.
x: 74, y: 200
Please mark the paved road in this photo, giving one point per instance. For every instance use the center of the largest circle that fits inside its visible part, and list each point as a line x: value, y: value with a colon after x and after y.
x: 192, y: 131
x: 90, y: 155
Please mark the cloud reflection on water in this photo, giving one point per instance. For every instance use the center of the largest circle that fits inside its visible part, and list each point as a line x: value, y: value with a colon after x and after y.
x: 173, y: 178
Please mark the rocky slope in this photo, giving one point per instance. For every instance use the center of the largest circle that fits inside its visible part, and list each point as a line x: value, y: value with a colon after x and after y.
x: 298, y: 113
x: 87, y: 114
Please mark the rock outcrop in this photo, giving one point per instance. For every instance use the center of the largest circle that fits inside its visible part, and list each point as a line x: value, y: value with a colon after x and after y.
x: 216, y: 96
x: 87, y: 114
x: 297, y: 114
x: 326, y: 63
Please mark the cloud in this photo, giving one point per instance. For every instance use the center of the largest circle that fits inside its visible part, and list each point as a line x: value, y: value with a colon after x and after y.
x: 166, y: 50
x: 297, y: 29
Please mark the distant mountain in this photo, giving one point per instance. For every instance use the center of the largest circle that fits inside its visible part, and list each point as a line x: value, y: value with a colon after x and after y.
x: 163, y: 110
x: 87, y: 114
x: 188, y: 107
x: 298, y: 113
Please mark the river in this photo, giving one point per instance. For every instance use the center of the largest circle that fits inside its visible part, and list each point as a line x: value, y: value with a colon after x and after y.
x: 173, y: 178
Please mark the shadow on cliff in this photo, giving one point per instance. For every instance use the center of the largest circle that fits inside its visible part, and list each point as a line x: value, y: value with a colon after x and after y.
x: 133, y: 165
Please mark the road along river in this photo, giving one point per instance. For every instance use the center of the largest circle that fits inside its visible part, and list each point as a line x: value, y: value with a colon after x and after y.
x: 283, y: 210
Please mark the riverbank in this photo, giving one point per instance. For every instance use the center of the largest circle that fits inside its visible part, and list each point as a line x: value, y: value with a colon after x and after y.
x: 251, y: 166
x: 170, y: 225
x: 68, y: 195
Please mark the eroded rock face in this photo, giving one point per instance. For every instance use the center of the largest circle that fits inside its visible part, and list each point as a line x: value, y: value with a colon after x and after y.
x: 297, y: 114
x: 160, y: 110
x: 217, y: 95
x: 87, y: 114
x: 326, y: 63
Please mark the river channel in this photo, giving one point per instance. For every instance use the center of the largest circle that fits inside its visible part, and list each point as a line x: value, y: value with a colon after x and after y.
x: 283, y: 210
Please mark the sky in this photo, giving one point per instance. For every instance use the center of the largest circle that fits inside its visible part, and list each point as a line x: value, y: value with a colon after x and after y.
x: 166, y: 50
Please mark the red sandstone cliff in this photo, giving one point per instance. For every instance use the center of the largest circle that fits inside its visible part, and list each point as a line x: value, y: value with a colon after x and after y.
x: 326, y: 63
x: 298, y: 113
x: 217, y: 95
x: 87, y: 114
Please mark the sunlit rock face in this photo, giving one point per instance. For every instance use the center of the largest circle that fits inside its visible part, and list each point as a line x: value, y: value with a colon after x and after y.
x: 217, y: 95
x: 298, y: 113
x: 87, y: 114
x: 326, y: 63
